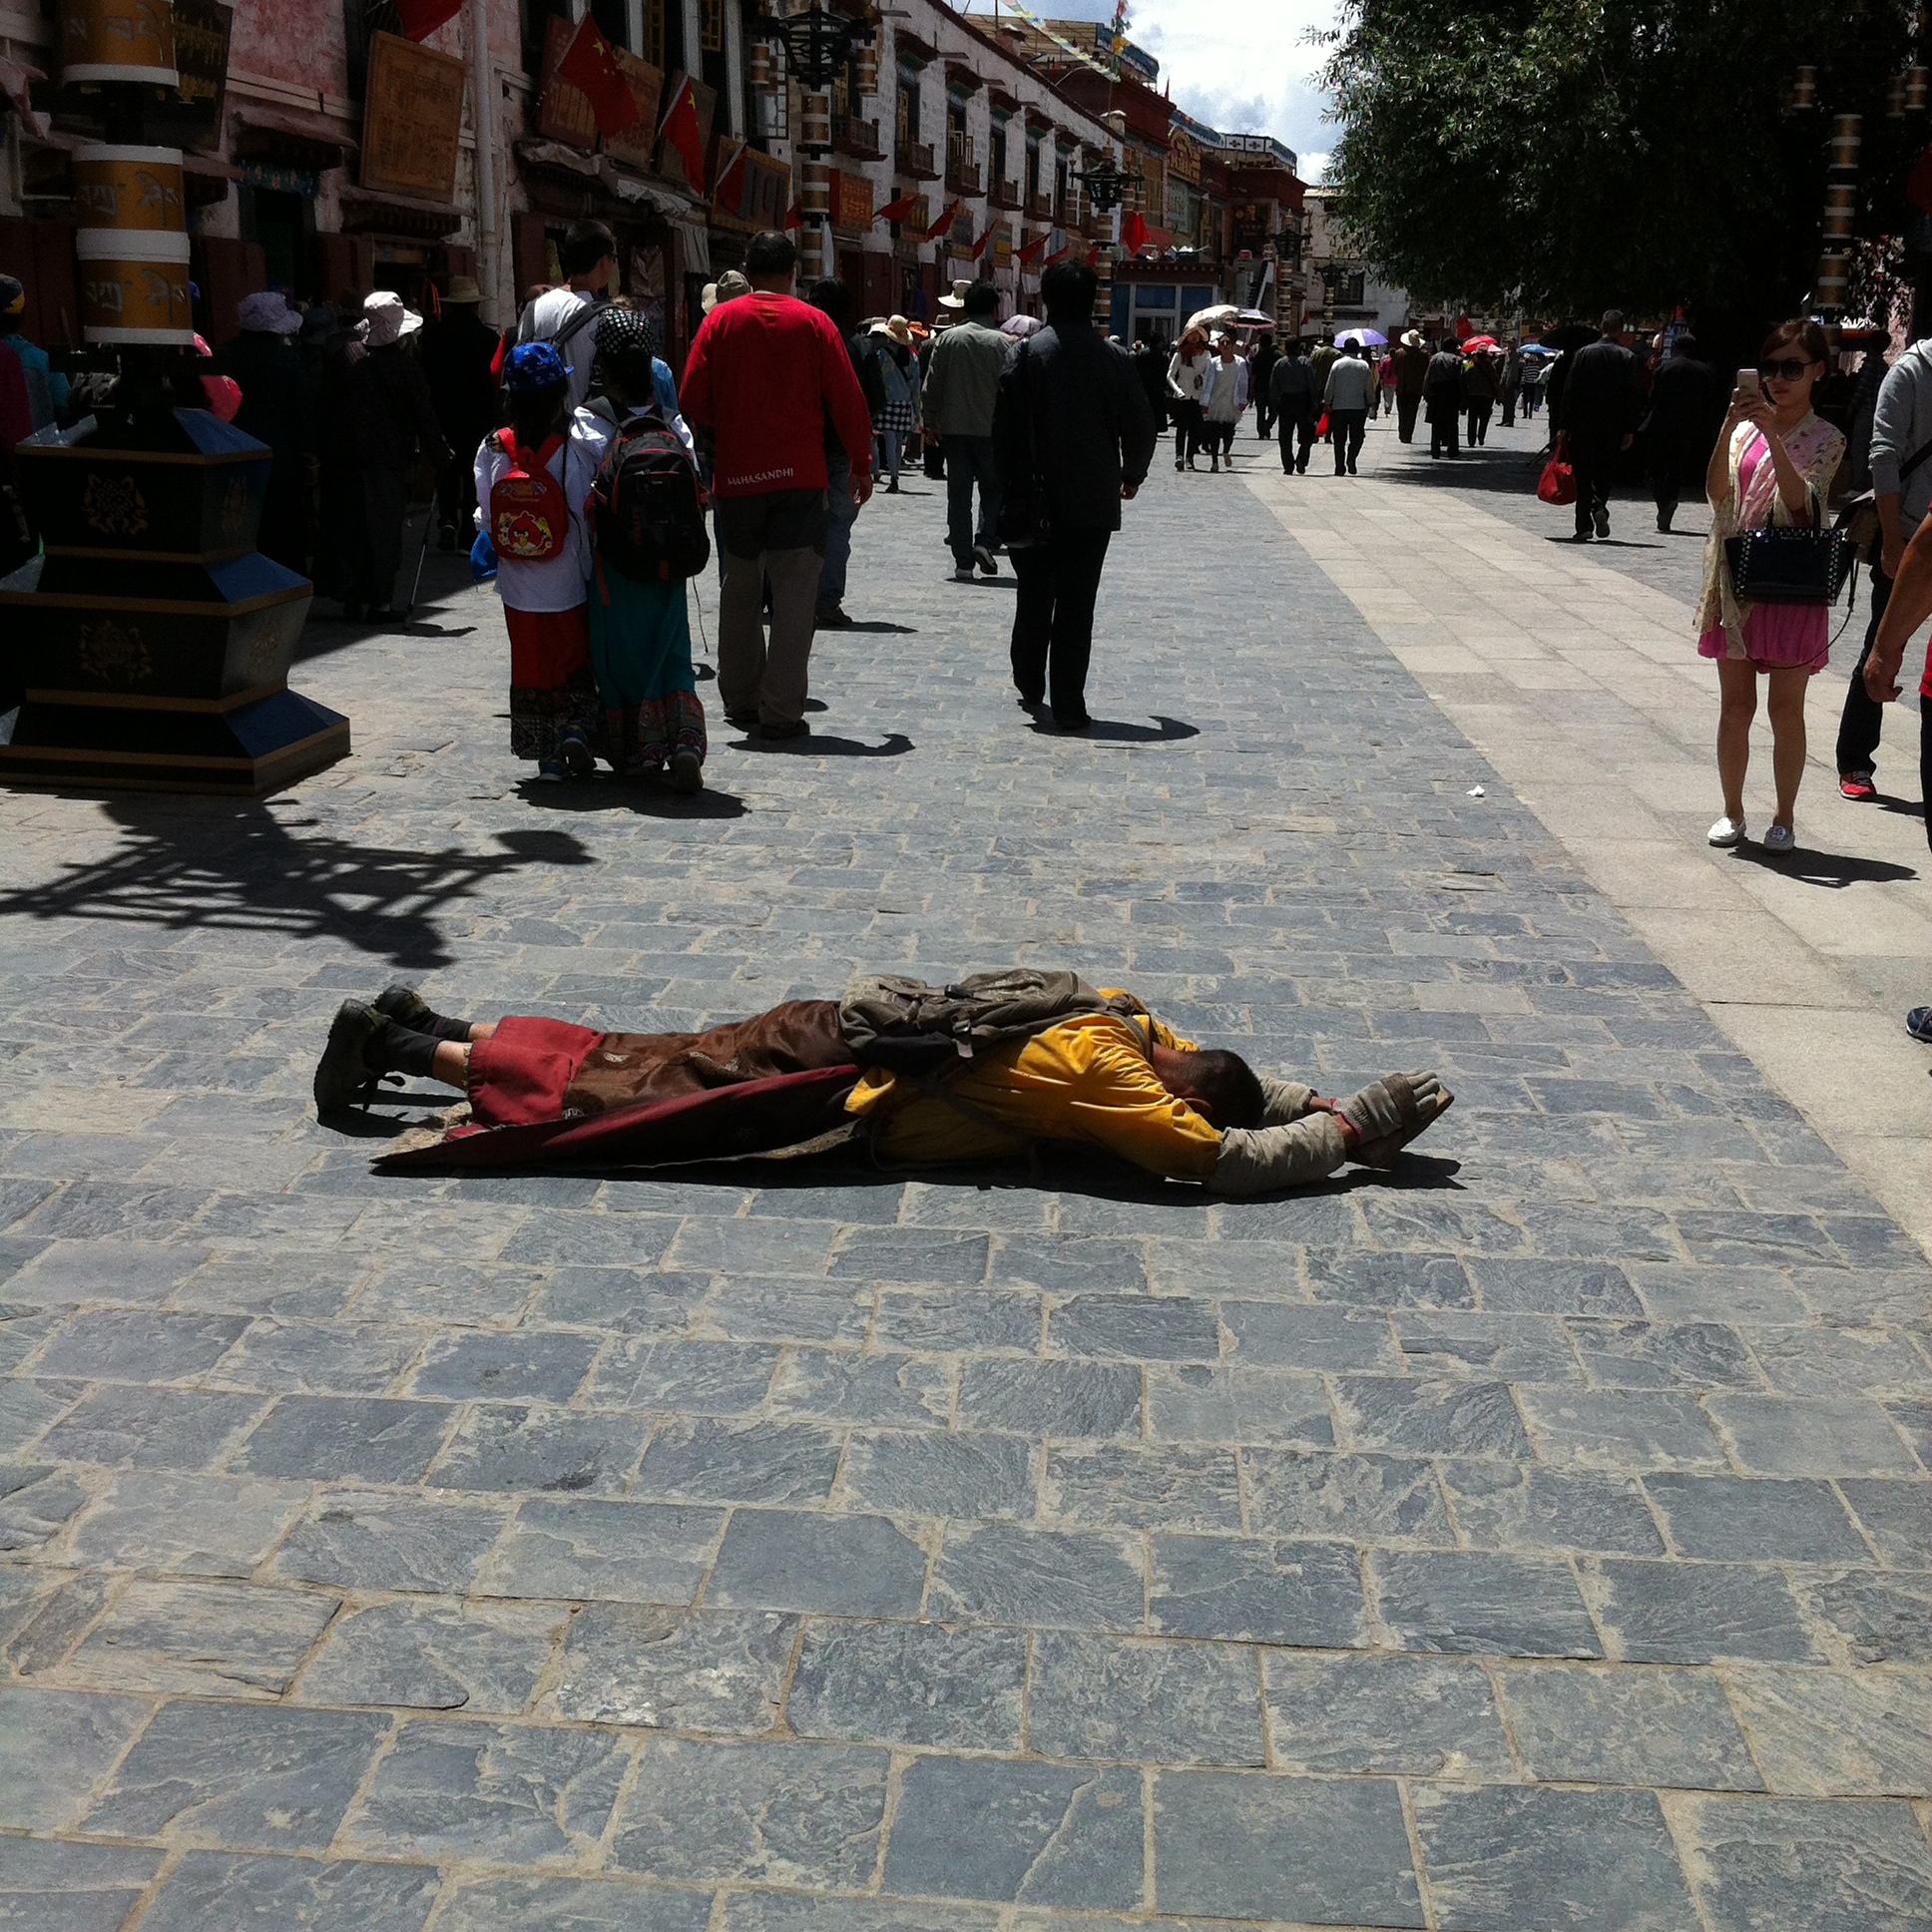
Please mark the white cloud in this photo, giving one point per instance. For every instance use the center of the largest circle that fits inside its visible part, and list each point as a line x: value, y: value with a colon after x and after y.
x: 1243, y: 66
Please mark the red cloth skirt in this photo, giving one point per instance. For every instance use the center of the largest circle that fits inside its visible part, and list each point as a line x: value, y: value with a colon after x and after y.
x: 546, y: 646
x: 520, y: 1074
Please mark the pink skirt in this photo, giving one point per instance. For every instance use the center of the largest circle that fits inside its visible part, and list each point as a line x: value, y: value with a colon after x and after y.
x: 1778, y: 637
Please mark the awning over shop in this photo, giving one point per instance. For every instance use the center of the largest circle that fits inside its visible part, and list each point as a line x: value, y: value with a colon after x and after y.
x: 556, y: 157
x: 289, y: 134
x: 389, y: 214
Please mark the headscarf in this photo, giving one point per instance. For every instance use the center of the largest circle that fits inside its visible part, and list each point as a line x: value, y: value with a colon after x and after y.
x: 532, y: 367
x: 625, y: 333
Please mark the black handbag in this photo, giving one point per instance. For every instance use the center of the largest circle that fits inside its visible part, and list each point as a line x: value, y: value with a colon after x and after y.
x: 1026, y: 515
x: 1789, y: 564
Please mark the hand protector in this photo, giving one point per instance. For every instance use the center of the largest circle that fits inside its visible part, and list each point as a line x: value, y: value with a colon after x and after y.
x: 1264, y: 1159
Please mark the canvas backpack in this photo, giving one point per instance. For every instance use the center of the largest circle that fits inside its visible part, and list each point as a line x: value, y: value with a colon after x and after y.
x: 528, y: 514
x: 647, y: 517
x: 905, y: 1026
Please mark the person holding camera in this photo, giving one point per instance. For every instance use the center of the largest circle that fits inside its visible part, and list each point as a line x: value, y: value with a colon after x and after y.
x: 1773, y: 465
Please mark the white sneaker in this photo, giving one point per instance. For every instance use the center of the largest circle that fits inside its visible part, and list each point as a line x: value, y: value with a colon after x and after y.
x: 1781, y: 839
x: 1727, y: 832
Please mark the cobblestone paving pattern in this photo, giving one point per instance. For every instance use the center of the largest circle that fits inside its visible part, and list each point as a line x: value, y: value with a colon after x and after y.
x: 1537, y: 1538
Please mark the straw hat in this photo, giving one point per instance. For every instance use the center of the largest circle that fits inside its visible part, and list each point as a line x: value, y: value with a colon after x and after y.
x: 463, y: 290
x: 388, y: 321
x: 1411, y: 339
x: 728, y: 287
x: 898, y: 328
x: 956, y: 301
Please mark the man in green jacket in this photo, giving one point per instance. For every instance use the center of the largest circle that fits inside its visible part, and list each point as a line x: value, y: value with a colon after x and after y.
x: 961, y: 387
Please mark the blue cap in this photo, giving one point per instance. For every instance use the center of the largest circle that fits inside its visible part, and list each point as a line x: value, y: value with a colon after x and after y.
x: 534, y: 366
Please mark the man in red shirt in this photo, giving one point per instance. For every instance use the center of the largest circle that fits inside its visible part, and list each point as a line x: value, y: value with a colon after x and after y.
x: 766, y: 374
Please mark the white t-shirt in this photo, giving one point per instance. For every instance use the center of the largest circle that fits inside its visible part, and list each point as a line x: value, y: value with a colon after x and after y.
x: 547, y: 318
x: 559, y: 583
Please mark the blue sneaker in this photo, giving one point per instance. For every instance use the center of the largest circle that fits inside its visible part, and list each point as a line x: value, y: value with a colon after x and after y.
x: 1918, y: 1023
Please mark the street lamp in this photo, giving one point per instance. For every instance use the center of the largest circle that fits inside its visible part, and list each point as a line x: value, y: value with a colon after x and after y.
x: 1106, y: 185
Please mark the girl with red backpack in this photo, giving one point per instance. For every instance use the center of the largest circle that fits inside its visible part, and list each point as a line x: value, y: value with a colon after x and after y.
x: 648, y: 538
x: 531, y: 482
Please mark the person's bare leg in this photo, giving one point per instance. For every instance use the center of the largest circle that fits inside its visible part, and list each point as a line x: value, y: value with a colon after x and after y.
x: 1737, y: 687
x: 1786, y: 703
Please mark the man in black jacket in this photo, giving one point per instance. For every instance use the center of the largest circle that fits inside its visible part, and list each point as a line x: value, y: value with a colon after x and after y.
x: 1599, y: 420
x: 1682, y: 425
x: 1292, y: 395
x: 277, y: 409
x: 457, y: 353
x: 1073, y: 435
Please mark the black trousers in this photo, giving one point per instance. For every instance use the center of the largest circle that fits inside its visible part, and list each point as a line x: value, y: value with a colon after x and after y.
x: 1591, y: 458
x: 1445, y: 433
x: 1296, y: 429
x: 1406, y: 408
x: 1863, y: 723
x: 1263, y: 417
x: 1479, y: 421
x: 1186, y: 429
x: 1217, y: 438
x: 1669, y: 463
x: 1509, y: 408
x: 1346, y: 428
x: 1052, y: 618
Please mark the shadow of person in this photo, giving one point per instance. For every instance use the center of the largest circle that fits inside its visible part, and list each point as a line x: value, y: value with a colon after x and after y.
x: 187, y: 866
x: 1834, y: 870
x: 645, y: 800
x: 828, y: 744
x: 1107, y: 731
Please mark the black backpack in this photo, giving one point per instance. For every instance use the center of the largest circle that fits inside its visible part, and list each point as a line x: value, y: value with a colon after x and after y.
x: 647, y: 517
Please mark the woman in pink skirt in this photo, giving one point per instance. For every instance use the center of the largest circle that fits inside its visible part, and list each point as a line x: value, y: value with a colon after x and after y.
x: 1773, y: 464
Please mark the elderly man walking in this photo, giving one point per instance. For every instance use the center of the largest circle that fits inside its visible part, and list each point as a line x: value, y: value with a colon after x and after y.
x: 765, y: 376
x: 1074, y: 436
x: 961, y: 388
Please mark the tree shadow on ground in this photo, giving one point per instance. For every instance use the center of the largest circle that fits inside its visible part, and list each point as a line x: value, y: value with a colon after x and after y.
x: 1836, y: 870
x: 240, y: 868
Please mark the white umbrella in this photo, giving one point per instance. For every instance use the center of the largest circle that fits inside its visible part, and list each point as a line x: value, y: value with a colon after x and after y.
x: 1021, y: 326
x: 1214, y: 316
x: 1363, y: 338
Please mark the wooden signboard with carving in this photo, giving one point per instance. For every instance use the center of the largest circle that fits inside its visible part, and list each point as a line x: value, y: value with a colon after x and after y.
x: 413, y: 124
x: 633, y: 147
x: 757, y: 198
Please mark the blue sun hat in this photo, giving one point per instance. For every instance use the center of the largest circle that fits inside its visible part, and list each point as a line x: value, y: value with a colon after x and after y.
x: 532, y: 367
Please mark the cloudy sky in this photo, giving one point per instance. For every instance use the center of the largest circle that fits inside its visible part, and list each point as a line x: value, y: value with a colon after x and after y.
x: 1240, y: 64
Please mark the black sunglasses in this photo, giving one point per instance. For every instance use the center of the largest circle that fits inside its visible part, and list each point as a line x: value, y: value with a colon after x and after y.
x: 1790, y: 370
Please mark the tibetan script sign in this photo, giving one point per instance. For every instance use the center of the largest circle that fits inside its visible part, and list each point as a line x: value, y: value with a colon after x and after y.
x: 633, y: 147
x: 413, y: 124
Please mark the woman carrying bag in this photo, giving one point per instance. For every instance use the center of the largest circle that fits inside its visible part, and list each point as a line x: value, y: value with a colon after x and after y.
x: 1186, y: 379
x: 1771, y: 471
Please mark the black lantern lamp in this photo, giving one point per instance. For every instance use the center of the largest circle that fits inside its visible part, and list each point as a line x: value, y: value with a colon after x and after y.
x: 818, y: 42
x: 1106, y: 185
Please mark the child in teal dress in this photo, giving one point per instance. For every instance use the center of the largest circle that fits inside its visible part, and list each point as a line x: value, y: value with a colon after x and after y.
x: 640, y: 632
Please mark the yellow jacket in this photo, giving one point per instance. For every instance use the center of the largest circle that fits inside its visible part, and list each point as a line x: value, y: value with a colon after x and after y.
x: 1085, y: 1080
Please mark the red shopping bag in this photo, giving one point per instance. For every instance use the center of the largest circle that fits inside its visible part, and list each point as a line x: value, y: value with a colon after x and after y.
x: 1557, y: 483
x: 1321, y: 428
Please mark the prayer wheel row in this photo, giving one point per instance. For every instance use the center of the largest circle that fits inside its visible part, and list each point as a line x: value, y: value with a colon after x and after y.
x: 117, y: 42
x: 133, y: 247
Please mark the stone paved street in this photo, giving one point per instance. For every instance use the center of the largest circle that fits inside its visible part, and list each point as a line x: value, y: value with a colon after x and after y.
x: 1539, y: 1536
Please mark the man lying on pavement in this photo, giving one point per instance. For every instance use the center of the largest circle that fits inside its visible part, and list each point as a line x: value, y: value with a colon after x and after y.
x: 981, y: 1070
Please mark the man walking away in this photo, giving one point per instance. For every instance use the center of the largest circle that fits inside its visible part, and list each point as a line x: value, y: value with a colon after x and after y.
x: 1074, y: 436
x: 1479, y: 388
x: 1291, y: 389
x: 1222, y: 399
x: 1512, y: 384
x: 1411, y: 376
x: 566, y: 318
x: 456, y: 356
x: 279, y: 409
x: 1261, y: 367
x: 1321, y: 359
x: 1901, y: 471
x: 962, y: 388
x: 1681, y: 424
x: 1351, y: 383
x: 763, y: 374
x: 1442, y: 392
x: 1599, y: 420
x: 834, y: 300
x: 394, y: 417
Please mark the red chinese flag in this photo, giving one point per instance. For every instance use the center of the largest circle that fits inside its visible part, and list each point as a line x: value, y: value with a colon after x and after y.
x: 1134, y: 232
x: 1059, y: 255
x: 1033, y: 250
x: 420, y: 18
x: 945, y: 222
x: 731, y: 182
x: 590, y: 66
x: 680, y: 132
x: 895, y: 210
x: 795, y: 215
x: 979, y: 247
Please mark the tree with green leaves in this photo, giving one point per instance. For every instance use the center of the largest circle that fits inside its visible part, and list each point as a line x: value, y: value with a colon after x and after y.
x: 1567, y: 156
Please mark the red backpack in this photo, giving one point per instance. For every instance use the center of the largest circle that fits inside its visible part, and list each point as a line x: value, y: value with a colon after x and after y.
x: 529, y: 515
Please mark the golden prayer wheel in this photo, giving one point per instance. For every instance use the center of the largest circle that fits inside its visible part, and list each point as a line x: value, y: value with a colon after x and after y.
x: 763, y: 74
x: 1915, y: 90
x: 816, y: 190
x: 1845, y: 135
x: 866, y: 70
x: 129, y: 188
x: 1804, y: 90
x: 134, y: 288
x: 815, y: 120
x: 118, y: 40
